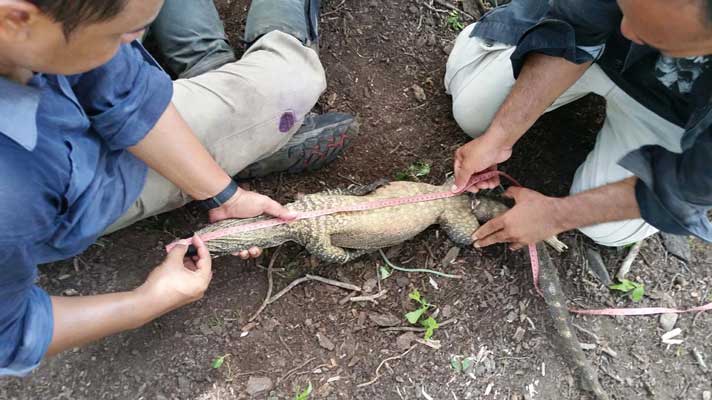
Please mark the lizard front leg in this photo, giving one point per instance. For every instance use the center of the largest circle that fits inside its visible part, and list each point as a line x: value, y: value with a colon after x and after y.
x: 322, y: 248
x: 487, y: 208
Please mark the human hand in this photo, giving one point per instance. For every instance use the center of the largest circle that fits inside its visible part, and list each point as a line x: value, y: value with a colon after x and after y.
x: 479, y: 155
x: 534, y: 217
x: 247, y: 204
x: 180, y: 280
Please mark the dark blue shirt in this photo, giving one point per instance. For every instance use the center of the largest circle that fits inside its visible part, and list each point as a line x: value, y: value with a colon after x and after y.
x: 66, y: 176
x: 674, y: 190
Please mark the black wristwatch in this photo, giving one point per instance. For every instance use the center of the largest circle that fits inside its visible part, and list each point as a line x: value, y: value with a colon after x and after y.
x: 220, y: 198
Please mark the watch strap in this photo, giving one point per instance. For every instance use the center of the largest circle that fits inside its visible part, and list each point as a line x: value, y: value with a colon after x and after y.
x: 220, y: 198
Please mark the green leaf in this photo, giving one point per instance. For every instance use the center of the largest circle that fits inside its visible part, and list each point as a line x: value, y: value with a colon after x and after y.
x: 414, y: 316
x: 624, y: 286
x: 384, y: 273
x: 416, y: 170
x: 415, y: 295
x: 466, y: 364
x: 456, y: 364
x: 218, y: 362
x: 305, y: 394
x: 401, y: 176
x: 637, y: 293
x: 430, y: 326
x: 420, y: 169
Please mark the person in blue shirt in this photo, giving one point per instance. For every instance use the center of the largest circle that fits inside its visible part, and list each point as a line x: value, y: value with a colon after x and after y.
x: 652, y: 62
x: 94, y: 136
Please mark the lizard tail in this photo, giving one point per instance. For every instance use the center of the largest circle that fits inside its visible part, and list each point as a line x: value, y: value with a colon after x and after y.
x: 571, y: 349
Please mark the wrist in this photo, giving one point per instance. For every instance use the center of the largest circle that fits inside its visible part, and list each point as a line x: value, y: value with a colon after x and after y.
x: 215, y: 188
x: 227, y: 194
x: 152, y: 301
x: 499, y: 138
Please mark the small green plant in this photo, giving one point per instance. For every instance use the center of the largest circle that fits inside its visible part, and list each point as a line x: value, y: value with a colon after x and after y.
x: 430, y: 324
x: 633, y: 289
x: 305, y: 394
x: 453, y: 21
x: 384, y: 273
x: 414, y: 171
x: 460, y: 364
x: 219, y: 361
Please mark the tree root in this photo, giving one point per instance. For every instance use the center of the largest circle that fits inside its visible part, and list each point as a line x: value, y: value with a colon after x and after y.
x: 571, y: 348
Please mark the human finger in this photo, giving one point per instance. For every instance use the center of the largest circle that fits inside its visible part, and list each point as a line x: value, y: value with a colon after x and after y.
x: 494, y: 225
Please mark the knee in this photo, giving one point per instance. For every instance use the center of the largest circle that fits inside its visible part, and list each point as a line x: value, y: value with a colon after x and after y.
x: 313, y: 84
x: 471, y: 115
x: 619, y: 233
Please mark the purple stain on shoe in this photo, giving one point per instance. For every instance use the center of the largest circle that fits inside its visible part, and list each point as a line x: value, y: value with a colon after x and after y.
x: 287, y: 122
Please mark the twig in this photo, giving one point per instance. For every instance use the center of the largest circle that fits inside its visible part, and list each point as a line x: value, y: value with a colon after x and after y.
x: 349, y: 179
x: 281, y: 339
x: 431, y: 8
x: 307, y: 278
x: 452, y: 7
x: 628, y: 261
x: 586, y: 331
x: 378, y: 374
x: 700, y: 359
x: 343, y: 285
x: 249, y: 373
x: 414, y: 329
x: 293, y: 370
x: 269, y: 287
x: 335, y: 10
x: 372, y: 297
x: 416, y: 270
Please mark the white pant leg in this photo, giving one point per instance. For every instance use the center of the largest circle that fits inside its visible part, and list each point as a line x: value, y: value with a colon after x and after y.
x: 628, y: 126
x: 241, y: 112
x: 479, y: 77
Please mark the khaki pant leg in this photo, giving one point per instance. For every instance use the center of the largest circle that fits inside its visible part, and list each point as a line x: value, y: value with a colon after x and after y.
x: 241, y: 112
x: 628, y: 126
x: 479, y: 78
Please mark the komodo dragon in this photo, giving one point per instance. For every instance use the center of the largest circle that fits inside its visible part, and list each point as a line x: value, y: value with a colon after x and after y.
x: 342, y: 237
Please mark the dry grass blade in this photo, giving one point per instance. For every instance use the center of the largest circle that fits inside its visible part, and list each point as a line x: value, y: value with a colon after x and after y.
x: 270, y: 284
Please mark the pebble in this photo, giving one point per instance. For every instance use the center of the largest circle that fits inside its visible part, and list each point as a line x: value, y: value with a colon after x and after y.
x: 183, y: 384
x: 447, y: 48
x: 325, y: 342
x: 447, y: 311
x: 269, y: 324
x: 667, y: 321
x: 369, y: 285
x: 598, y: 267
x: 419, y: 93
x: 259, y: 384
x: 678, y: 246
x: 405, y: 340
x: 706, y: 395
x: 402, y: 281
x: 386, y: 319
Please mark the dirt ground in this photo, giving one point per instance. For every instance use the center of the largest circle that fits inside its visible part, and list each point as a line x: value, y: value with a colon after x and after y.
x: 374, y: 52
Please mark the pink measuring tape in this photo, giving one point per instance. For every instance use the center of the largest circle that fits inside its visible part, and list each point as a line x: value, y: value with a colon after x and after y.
x: 399, y: 201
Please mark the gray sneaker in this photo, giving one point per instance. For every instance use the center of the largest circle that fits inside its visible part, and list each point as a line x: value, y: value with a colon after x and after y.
x: 320, y: 140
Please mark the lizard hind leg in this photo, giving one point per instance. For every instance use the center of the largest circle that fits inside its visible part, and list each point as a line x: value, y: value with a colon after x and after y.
x: 322, y: 248
x: 359, y: 190
x: 459, y: 223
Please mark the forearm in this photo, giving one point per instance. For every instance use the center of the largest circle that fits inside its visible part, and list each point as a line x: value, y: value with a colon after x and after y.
x: 612, y: 202
x: 175, y: 152
x: 542, y: 80
x: 80, y: 320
